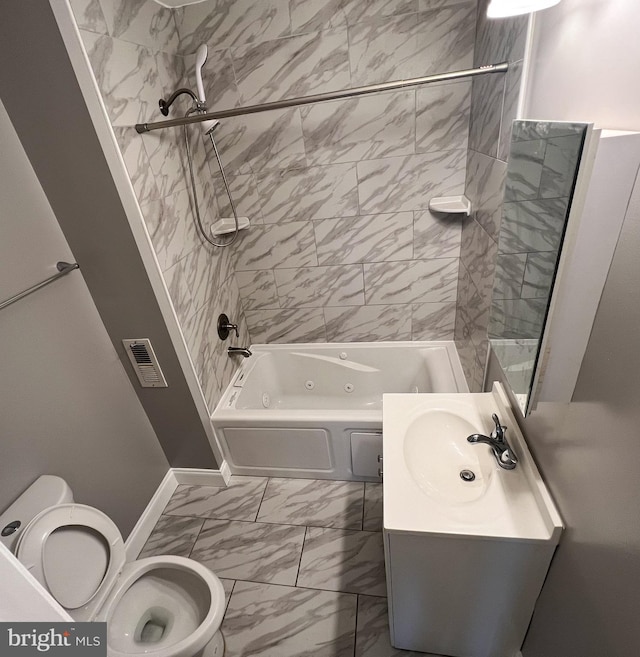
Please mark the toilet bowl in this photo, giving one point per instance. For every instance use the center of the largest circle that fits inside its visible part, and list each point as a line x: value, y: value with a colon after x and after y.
x: 163, y: 606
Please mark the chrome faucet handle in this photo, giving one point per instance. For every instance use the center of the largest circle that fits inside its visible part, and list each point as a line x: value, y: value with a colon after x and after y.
x: 498, y: 434
x: 501, y: 449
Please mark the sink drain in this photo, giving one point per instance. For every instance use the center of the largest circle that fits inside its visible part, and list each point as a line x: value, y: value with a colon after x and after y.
x: 467, y: 475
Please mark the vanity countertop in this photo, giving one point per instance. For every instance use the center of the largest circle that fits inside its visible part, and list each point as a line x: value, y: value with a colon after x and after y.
x: 425, y: 451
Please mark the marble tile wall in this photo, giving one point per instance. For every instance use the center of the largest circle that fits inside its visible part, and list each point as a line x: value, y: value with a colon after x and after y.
x: 494, y: 101
x: 133, y: 48
x: 540, y: 177
x: 342, y: 246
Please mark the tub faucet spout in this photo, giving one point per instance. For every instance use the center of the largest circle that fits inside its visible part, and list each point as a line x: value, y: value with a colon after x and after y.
x: 243, y: 351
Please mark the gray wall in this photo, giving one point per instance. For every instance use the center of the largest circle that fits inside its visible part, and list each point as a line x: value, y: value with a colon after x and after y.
x: 589, y: 451
x: 42, y: 97
x: 590, y: 602
x: 67, y: 406
x: 585, y: 57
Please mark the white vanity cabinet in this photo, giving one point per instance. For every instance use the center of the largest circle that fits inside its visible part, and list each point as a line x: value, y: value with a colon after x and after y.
x: 460, y: 596
x: 465, y: 558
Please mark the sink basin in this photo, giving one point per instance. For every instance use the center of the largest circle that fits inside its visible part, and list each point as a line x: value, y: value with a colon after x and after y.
x: 425, y: 450
x: 436, y: 452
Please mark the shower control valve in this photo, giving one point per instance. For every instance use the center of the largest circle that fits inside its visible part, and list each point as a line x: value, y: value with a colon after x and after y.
x: 225, y: 326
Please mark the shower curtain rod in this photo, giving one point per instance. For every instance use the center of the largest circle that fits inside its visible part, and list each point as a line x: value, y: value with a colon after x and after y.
x: 318, y: 98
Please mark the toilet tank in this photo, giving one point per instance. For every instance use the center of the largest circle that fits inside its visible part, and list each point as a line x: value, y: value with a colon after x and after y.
x: 46, y: 491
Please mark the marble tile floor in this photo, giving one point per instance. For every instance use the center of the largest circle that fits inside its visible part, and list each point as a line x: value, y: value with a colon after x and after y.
x: 301, y: 562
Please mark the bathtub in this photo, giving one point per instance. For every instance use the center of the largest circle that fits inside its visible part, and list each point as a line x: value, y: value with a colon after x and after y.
x: 315, y: 410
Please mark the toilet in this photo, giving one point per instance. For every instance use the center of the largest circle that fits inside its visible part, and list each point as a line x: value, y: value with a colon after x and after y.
x: 163, y: 606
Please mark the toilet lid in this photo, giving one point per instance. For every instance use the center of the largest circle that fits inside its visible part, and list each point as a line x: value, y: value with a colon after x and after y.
x: 75, y: 551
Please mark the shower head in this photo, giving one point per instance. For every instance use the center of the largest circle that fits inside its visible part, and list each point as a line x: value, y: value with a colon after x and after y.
x: 201, y: 58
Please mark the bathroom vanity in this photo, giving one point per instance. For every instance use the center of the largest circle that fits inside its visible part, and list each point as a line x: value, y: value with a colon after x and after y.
x: 467, y: 543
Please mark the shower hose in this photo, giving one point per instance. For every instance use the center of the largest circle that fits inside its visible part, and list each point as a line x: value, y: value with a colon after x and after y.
x: 195, y: 193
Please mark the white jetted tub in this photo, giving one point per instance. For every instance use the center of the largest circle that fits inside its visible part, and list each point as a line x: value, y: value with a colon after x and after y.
x: 315, y: 410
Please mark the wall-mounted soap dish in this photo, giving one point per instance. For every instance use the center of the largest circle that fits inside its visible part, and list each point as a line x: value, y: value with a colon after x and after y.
x: 451, y: 205
x: 228, y: 225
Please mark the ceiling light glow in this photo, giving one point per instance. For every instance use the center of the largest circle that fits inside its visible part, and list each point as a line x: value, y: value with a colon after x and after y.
x: 502, y: 8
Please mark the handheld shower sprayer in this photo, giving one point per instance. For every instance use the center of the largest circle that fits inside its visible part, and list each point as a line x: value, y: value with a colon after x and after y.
x: 201, y: 58
x: 208, y: 126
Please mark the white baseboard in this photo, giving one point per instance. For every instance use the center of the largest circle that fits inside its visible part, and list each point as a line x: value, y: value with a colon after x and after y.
x: 147, y: 521
x: 174, y: 477
x: 197, y: 477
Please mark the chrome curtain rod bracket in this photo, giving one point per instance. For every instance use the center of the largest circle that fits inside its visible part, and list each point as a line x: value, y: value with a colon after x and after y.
x: 63, y: 269
x: 319, y: 98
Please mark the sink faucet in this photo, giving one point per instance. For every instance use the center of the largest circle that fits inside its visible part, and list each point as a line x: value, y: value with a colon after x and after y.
x: 497, y: 441
x: 243, y: 351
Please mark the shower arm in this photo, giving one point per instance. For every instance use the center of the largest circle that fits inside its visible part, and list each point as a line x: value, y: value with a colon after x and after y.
x: 316, y: 98
x: 166, y: 104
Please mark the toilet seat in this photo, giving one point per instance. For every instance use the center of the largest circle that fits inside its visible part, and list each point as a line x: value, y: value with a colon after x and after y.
x: 49, y: 549
x: 77, y: 553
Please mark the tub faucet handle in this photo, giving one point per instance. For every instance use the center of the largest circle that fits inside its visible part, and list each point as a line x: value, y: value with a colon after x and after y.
x: 225, y: 326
